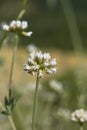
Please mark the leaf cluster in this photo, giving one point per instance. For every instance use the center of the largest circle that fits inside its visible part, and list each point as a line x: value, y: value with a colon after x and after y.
x: 9, y: 104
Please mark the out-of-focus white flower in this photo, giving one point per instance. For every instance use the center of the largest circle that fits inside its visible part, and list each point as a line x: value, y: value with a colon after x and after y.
x: 64, y: 113
x: 79, y: 115
x: 56, y: 86
x: 32, y: 48
x: 39, y: 62
x: 17, y: 26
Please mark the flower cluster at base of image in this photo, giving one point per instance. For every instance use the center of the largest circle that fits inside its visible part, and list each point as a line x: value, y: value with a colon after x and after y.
x: 39, y: 62
x: 80, y: 116
x: 17, y: 26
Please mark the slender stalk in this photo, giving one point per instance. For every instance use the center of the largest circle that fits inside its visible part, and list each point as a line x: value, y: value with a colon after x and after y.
x: 13, y: 59
x: 72, y: 25
x: 23, y: 10
x: 25, y: 3
x: 81, y: 127
x: 9, y: 117
x: 12, y: 123
x: 10, y: 78
x: 35, y: 101
x: 2, y: 41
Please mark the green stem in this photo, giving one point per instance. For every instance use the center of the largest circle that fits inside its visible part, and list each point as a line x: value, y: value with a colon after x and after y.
x: 35, y: 101
x: 25, y: 3
x: 9, y: 117
x: 81, y: 127
x: 13, y: 59
x: 12, y: 123
x: 72, y: 25
x: 23, y: 10
x: 2, y: 41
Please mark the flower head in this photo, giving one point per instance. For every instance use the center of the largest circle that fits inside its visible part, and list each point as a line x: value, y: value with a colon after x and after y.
x: 17, y: 26
x: 39, y: 62
x: 79, y: 116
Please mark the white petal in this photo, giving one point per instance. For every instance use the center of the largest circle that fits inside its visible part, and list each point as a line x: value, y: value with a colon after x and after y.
x: 26, y: 67
x: 27, y: 33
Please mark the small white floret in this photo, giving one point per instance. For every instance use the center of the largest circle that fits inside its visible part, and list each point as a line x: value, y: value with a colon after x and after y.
x: 18, y: 24
x: 53, y: 62
x: 13, y: 24
x: 46, y: 56
x: 5, y: 27
x: 26, y: 67
x: 24, y: 24
x: 40, y: 75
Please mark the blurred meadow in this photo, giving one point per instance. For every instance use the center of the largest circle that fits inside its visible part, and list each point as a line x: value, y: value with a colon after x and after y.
x: 59, y: 27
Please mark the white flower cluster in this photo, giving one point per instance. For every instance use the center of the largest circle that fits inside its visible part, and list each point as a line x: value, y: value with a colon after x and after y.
x: 17, y: 25
x: 56, y: 86
x: 39, y: 62
x: 79, y: 116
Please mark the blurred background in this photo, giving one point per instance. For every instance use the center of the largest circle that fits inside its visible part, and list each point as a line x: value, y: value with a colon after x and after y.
x: 55, y: 23
x: 59, y: 27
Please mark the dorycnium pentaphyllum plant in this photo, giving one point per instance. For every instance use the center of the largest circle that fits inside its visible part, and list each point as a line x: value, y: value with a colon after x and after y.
x: 17, y: 27
x: 79, y: 116
x: 36, y: 64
